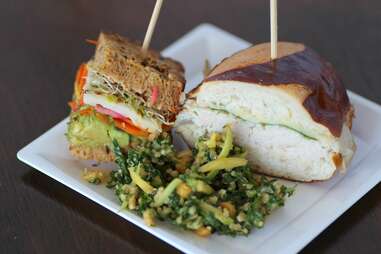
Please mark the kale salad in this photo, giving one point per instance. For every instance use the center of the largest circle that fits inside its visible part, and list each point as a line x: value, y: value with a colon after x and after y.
x: 207, y: 189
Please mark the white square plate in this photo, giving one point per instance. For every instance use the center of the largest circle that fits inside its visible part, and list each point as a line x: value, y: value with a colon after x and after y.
x: 313, y: 207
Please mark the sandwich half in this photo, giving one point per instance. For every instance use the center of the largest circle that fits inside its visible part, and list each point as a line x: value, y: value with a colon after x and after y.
x: 122, y: 94
x: 293, y: 114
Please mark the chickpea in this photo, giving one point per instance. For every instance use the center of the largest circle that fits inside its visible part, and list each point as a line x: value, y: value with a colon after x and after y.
x: 183, y: 190
x: 230, y: 207
x: 203, y: 231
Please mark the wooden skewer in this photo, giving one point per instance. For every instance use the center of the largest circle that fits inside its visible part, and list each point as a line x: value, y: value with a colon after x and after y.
x: 152, y: 24
x: 274, y: 28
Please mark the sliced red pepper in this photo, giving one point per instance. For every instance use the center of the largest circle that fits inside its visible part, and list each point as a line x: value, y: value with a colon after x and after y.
x: 109, y: 112
x: 154, y: 95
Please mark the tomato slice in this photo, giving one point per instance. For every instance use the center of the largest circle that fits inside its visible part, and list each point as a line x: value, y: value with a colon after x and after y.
x: 109, y: 112
x: 128, y: 127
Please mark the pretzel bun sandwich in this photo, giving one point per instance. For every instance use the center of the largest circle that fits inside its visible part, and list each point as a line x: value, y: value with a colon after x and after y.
x: 123, y: 94
x: 293, y: 114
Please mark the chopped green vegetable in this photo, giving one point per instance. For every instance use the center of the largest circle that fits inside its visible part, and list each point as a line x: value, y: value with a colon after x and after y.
x: 216, y: 213
x: 198, y: 191
x: 160, y: 198
x: 121, y: 161
x: 199, y: 186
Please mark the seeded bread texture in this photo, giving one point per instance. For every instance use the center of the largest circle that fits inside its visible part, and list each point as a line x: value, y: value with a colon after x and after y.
x: 99, y: 154
x: 139, y: 72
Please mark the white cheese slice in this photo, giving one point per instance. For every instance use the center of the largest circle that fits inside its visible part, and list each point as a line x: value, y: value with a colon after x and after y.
x: 152, y: 125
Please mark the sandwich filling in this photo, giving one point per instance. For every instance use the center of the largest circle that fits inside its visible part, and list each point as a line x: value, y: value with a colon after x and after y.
x: 125, y: 110
x: 122, y: 94
x: 109, y: 97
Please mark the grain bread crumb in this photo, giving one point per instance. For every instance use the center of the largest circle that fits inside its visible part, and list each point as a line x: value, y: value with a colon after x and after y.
x: 99, y: 154
x: 123, y: 62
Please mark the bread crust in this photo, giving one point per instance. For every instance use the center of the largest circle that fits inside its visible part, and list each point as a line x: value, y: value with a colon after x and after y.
x: 139, y: 72
x: 252, y: 55
x: 99, y: 154
x: 299, y: 71
x: 257, y: 54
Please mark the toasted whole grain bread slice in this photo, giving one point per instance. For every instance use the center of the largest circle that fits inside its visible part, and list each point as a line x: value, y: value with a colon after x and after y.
x: 123, y: 62
x: 99, y: 154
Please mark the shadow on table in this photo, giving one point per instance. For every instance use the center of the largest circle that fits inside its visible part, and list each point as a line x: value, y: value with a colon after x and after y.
x: 96, y: 214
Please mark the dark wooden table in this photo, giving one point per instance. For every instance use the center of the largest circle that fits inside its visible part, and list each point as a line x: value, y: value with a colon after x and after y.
x: 41, y: 45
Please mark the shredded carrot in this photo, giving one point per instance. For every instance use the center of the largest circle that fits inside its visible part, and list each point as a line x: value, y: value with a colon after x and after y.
x: 73, y: 105
x: 103, y: 118
x: 94, y: 42
x: 86, y: 111
x: 130, y: 129
x: 128, y: 120
x: 80, y: 81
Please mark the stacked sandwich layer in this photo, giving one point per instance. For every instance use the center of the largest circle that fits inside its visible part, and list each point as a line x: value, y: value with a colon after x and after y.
x: 293, y: 115
x: 124, y: 94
